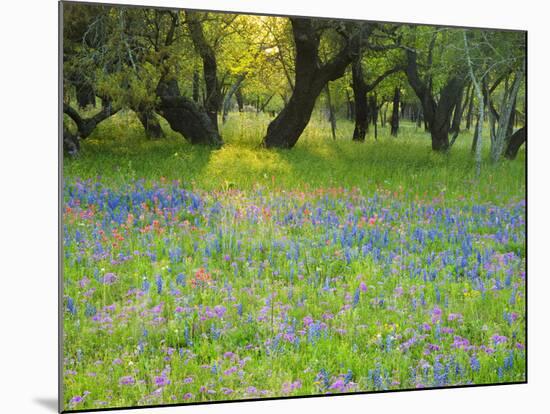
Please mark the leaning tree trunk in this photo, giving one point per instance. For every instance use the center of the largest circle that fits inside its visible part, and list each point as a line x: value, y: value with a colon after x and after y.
x: 310, y: 79
x: 331, y: 114
x: 232, y: 90
x: 515, y: 142
x: 184, y: 116
x: 395, y: 112
x: 150, y: 123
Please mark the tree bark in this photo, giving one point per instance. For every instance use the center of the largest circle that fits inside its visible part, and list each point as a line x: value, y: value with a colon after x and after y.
x: 515, y: 142
x: 395, y: 112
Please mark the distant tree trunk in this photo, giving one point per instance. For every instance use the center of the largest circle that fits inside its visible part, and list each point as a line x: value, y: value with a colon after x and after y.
x: 150, y: 123
x: 475, y: 138
x: 395, y: 112
x: 364, y: 112
x: 239, y: 97
x: 481, y: 107
x: 459, y: 109
x: 184, y: 115
x: 470, y: 110
x: 232, y: 90
x: 310, y: 79
x: 261, y: 108
x: 373, y: 104
x: 332, y: 115
x: 213, y: 99
x: 515, y: 142
x: 419, y: 117
x: 85, y: 95
x: 196, y: 86
x: 512, y: 121
x: 350, y: 113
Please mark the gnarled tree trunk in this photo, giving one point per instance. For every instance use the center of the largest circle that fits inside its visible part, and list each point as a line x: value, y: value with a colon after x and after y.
x: 184, y: 116
x: 311, y: 77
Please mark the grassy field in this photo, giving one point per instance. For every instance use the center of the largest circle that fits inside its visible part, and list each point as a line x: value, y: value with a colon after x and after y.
x: 118, y: 152
x: 202, y: 275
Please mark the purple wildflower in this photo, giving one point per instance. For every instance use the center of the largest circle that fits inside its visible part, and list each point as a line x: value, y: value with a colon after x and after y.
x: 498, y: 339
x: 109, y: 278
x: 128, y: 380
x: 161, y: 381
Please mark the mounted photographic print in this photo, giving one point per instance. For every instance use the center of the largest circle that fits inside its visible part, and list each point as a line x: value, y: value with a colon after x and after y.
x: 258, y: 207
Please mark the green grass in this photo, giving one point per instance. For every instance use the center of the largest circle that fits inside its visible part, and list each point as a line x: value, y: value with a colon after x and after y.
x: 118, y: 151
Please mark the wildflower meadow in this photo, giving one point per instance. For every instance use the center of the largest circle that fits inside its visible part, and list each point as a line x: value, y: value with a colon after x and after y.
x: 178, y: 291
